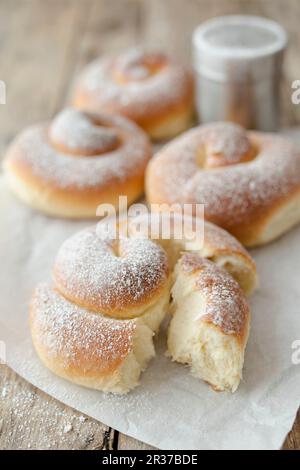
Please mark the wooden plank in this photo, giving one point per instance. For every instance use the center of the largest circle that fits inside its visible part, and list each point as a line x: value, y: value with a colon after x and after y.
x: 111, y: 27
x: 30, y: 419
x: 43, y: 45
x: 292, y: 441
x: 287, y: 14
x: 128, y: 443
x: 169, y: 25
x: 35, y: 42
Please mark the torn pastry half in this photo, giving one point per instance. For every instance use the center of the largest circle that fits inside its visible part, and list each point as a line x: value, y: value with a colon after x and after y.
x: 210, y: 322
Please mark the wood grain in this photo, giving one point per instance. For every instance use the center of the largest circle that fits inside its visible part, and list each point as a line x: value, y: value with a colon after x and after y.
x: 34, y: 46
x: 43, y: 45
x: 32, y: 420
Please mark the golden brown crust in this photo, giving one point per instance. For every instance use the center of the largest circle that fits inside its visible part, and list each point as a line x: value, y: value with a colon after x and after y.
x: 118, y: 278
x: 149, y: 88
x: 77, y: 162
x: 74, y: 340
x: 243, y: 178
x: 210, y: 241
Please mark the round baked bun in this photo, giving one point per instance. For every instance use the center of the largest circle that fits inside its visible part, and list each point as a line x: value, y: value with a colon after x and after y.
x: 95, y: 325
x: 119, y: 278
x: 249, y: 182
x: 69, y: 166
x: 149, y: 88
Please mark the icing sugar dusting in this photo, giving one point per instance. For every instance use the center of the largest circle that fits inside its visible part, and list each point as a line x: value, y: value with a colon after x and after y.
x: 78, y: 337
x: 221, y: 240
x: 231, y: 194
x: 145, y: 94
x: 33, y: 149
x: 79, y: 131
x: 225, y: 144
x: 110, y: 276
x: 138, y: 64
x: 49, y: 422
x: 240, y: 192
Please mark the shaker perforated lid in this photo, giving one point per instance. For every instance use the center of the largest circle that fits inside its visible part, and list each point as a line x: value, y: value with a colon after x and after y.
x: 229, y: 47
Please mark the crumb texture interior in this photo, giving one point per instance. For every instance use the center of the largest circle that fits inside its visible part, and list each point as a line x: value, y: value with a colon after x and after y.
x: 213, y: 356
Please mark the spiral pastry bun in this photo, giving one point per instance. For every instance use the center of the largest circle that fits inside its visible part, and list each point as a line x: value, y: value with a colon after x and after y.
x: 69, y: 166
x: 147, y: 87
x: 120, y: 278
x: 94, y: 325
x: 249, y: 182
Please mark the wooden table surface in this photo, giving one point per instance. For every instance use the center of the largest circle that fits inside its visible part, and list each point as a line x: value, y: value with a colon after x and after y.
x: 43, y: 45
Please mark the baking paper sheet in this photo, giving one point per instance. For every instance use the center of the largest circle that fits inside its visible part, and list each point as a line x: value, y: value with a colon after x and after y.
x: 171, y: 409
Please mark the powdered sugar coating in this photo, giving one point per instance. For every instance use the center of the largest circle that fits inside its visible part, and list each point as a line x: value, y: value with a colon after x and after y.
x: 116, y: 277
x: 225, y: 144
x: 137, y: 64
x: 222, y: 244
x: 225, y: 303
x: 81, y: 340
x: 34, y: 151
x: 150, y: 225
x: 207, y: 237
x: 137, y: 84
x: 80, y: 132
x: 241, y: 188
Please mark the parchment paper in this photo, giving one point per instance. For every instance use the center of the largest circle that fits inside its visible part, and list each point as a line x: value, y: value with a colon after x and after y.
x: 171, y: 409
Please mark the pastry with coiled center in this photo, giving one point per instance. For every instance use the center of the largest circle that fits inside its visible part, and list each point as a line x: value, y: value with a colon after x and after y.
x: 69, y: 166
x: 248, y: 182
x: 149, y: 88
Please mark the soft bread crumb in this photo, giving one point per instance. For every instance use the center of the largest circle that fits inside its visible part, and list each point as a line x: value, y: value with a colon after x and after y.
x: 154, y: 315
x: 128, y: 374
x: 143, y: 348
